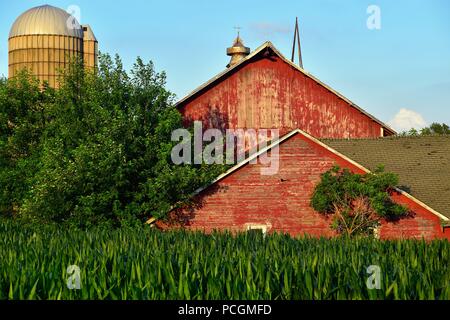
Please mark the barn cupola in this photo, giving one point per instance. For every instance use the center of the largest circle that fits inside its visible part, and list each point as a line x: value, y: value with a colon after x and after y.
x: 237, y: 51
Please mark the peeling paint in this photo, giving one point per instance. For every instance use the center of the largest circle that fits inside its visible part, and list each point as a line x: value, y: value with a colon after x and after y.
x: 269, y: 93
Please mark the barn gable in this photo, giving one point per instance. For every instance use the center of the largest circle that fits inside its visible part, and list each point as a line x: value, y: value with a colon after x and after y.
x: 242, y: 198
x: 266, y: 90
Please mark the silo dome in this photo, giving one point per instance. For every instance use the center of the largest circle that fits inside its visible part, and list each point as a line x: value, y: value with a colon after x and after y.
x: 45, y: 40
x: 47, y: 20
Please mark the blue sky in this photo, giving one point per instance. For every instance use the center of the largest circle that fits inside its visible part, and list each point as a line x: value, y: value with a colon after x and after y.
x: 399, y: 73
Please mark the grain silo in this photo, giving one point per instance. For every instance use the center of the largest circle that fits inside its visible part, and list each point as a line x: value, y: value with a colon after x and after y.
x: 90, y: 47
x: 46, y: 39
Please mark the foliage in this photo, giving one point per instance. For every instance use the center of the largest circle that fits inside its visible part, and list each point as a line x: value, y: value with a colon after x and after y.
x: 95, y: 151
x: 143, y: 263
x: 22, y: 123
x: 434, y: 128
x: 357, y: 201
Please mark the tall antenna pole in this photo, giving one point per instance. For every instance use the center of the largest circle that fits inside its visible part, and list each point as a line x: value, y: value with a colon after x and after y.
x: 297, y: 38
x: 293, y: 44
x: 300, y: 60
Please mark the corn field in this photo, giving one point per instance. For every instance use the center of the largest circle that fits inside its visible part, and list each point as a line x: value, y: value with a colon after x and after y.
x: 148, y: 264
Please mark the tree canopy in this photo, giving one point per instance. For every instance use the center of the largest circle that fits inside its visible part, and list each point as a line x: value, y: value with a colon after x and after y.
x: 434, y: 128
x: 95, y: 151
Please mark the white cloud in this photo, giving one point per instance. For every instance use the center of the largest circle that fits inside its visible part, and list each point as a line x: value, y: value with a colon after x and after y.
x: 406, y: 119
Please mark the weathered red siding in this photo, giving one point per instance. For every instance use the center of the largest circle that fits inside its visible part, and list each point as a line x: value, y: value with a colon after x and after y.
x: 281, y: 201
x: 267, y: 92
x: 422, y: 223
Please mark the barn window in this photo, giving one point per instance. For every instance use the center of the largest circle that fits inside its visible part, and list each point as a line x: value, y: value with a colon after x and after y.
x: 257, y: 228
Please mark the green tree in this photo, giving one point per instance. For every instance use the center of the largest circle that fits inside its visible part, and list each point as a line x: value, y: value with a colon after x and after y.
x: 95, y: 151
x: 434, y: 128
x: 22, y: 122
x: 357, y: 201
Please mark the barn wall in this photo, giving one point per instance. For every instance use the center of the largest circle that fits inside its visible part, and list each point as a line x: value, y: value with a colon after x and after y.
x: 421, y: 224
x: 249, y: 197
x: 269, y: 93
x: 282, y: 201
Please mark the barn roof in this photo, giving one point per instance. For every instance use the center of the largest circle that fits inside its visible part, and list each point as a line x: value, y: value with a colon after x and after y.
x: 260, y: 50
x: 421, y: 162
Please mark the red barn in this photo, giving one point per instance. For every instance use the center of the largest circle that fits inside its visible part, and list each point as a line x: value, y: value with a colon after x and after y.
x: 264, y: 90
x: 243, y: 199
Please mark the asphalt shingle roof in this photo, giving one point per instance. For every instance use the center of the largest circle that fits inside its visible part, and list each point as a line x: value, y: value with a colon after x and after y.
x: 422, y: 163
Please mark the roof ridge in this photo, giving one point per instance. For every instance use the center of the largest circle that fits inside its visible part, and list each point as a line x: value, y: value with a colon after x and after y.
x: 393, y: 137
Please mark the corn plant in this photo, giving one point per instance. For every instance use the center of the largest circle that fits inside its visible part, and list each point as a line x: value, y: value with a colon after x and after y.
x: 148, y: 264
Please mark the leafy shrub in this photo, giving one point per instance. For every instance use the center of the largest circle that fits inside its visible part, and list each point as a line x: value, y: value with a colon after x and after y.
x: 357, y: 201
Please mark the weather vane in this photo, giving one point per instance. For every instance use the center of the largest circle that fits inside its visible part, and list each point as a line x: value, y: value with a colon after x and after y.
x: 237, y: 28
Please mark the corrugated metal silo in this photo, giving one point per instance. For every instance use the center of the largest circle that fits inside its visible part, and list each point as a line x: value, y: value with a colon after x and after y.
x: 44, y: 40
x: 90, y: 48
